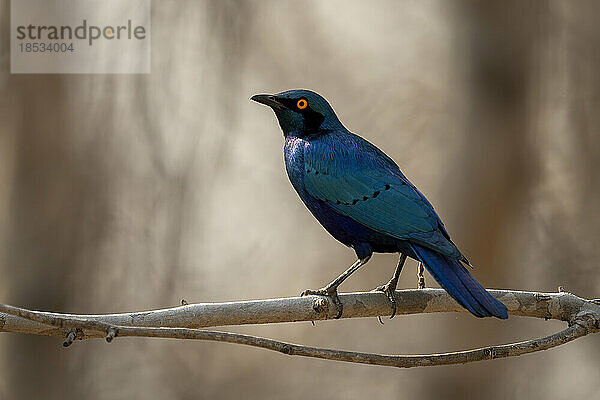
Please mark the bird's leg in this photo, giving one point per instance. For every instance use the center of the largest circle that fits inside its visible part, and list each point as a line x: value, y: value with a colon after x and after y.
x: 331, y: 289
x: 390, y: 287
x: 421, y: 276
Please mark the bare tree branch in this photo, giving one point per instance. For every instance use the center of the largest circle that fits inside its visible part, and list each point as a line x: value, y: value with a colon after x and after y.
x: 183, y: 322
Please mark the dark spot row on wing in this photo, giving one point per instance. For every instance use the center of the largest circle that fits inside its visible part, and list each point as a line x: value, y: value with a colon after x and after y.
x: 365, y: 198
x: 354, y: 201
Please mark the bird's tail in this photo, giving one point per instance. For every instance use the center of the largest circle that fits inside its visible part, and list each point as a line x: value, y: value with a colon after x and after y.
x: 460, y: 284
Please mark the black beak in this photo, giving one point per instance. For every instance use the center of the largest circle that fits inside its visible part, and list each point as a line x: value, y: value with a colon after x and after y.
x: 267, y: 99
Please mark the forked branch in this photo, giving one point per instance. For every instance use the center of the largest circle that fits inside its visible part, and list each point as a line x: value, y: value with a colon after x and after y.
x: 184, y: 322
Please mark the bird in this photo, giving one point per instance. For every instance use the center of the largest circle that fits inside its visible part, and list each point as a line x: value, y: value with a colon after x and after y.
x: 361, y: 197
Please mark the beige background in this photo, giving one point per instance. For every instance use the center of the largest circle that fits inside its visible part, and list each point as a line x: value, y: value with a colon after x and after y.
x: 123, y: 193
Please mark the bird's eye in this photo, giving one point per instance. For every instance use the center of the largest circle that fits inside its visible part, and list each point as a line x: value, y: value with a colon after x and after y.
x: 302, y: 104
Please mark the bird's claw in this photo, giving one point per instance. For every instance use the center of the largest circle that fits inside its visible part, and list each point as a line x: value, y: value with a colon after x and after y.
x: 331, y: 293
x: 389, y: 290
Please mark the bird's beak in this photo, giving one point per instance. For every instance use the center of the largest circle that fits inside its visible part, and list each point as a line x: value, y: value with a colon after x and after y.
x: 267, y: 99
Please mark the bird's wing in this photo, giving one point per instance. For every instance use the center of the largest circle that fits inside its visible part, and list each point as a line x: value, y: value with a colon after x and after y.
x: 365, y: 185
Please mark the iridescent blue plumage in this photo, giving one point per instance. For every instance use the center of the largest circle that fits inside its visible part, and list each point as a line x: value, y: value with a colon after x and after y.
x: 362, y: 198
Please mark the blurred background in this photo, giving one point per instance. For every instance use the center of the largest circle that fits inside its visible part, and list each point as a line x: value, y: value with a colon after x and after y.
x: 131, y: 192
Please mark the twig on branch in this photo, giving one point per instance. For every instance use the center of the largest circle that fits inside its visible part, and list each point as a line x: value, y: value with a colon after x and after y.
x: 183, y: 322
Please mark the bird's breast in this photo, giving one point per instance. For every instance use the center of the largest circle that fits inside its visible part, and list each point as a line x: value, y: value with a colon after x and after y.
x: 294, y: 163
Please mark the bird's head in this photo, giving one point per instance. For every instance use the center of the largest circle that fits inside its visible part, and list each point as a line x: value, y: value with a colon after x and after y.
x: 300, y: 112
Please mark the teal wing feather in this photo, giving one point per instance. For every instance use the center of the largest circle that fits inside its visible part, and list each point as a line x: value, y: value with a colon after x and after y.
x: 368, y: 187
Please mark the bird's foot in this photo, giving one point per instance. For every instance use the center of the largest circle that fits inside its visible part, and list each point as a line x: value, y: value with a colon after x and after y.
x: 328, y: 292
x: 389, y: 289
x: 420, y: 276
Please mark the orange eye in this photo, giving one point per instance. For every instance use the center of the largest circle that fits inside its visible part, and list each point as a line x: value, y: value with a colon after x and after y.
x: 302, y: 104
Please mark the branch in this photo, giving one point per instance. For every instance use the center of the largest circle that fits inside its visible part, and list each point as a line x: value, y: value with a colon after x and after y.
x: 183, y: 322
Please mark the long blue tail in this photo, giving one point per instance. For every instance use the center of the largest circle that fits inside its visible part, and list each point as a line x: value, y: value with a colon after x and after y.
x: 460, y: 284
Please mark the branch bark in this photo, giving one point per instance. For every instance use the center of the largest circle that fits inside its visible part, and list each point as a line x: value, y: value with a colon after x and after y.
x: 183, y: 322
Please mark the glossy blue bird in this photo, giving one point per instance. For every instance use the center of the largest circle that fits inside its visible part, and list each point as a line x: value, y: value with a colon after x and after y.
x: 362, y: 199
